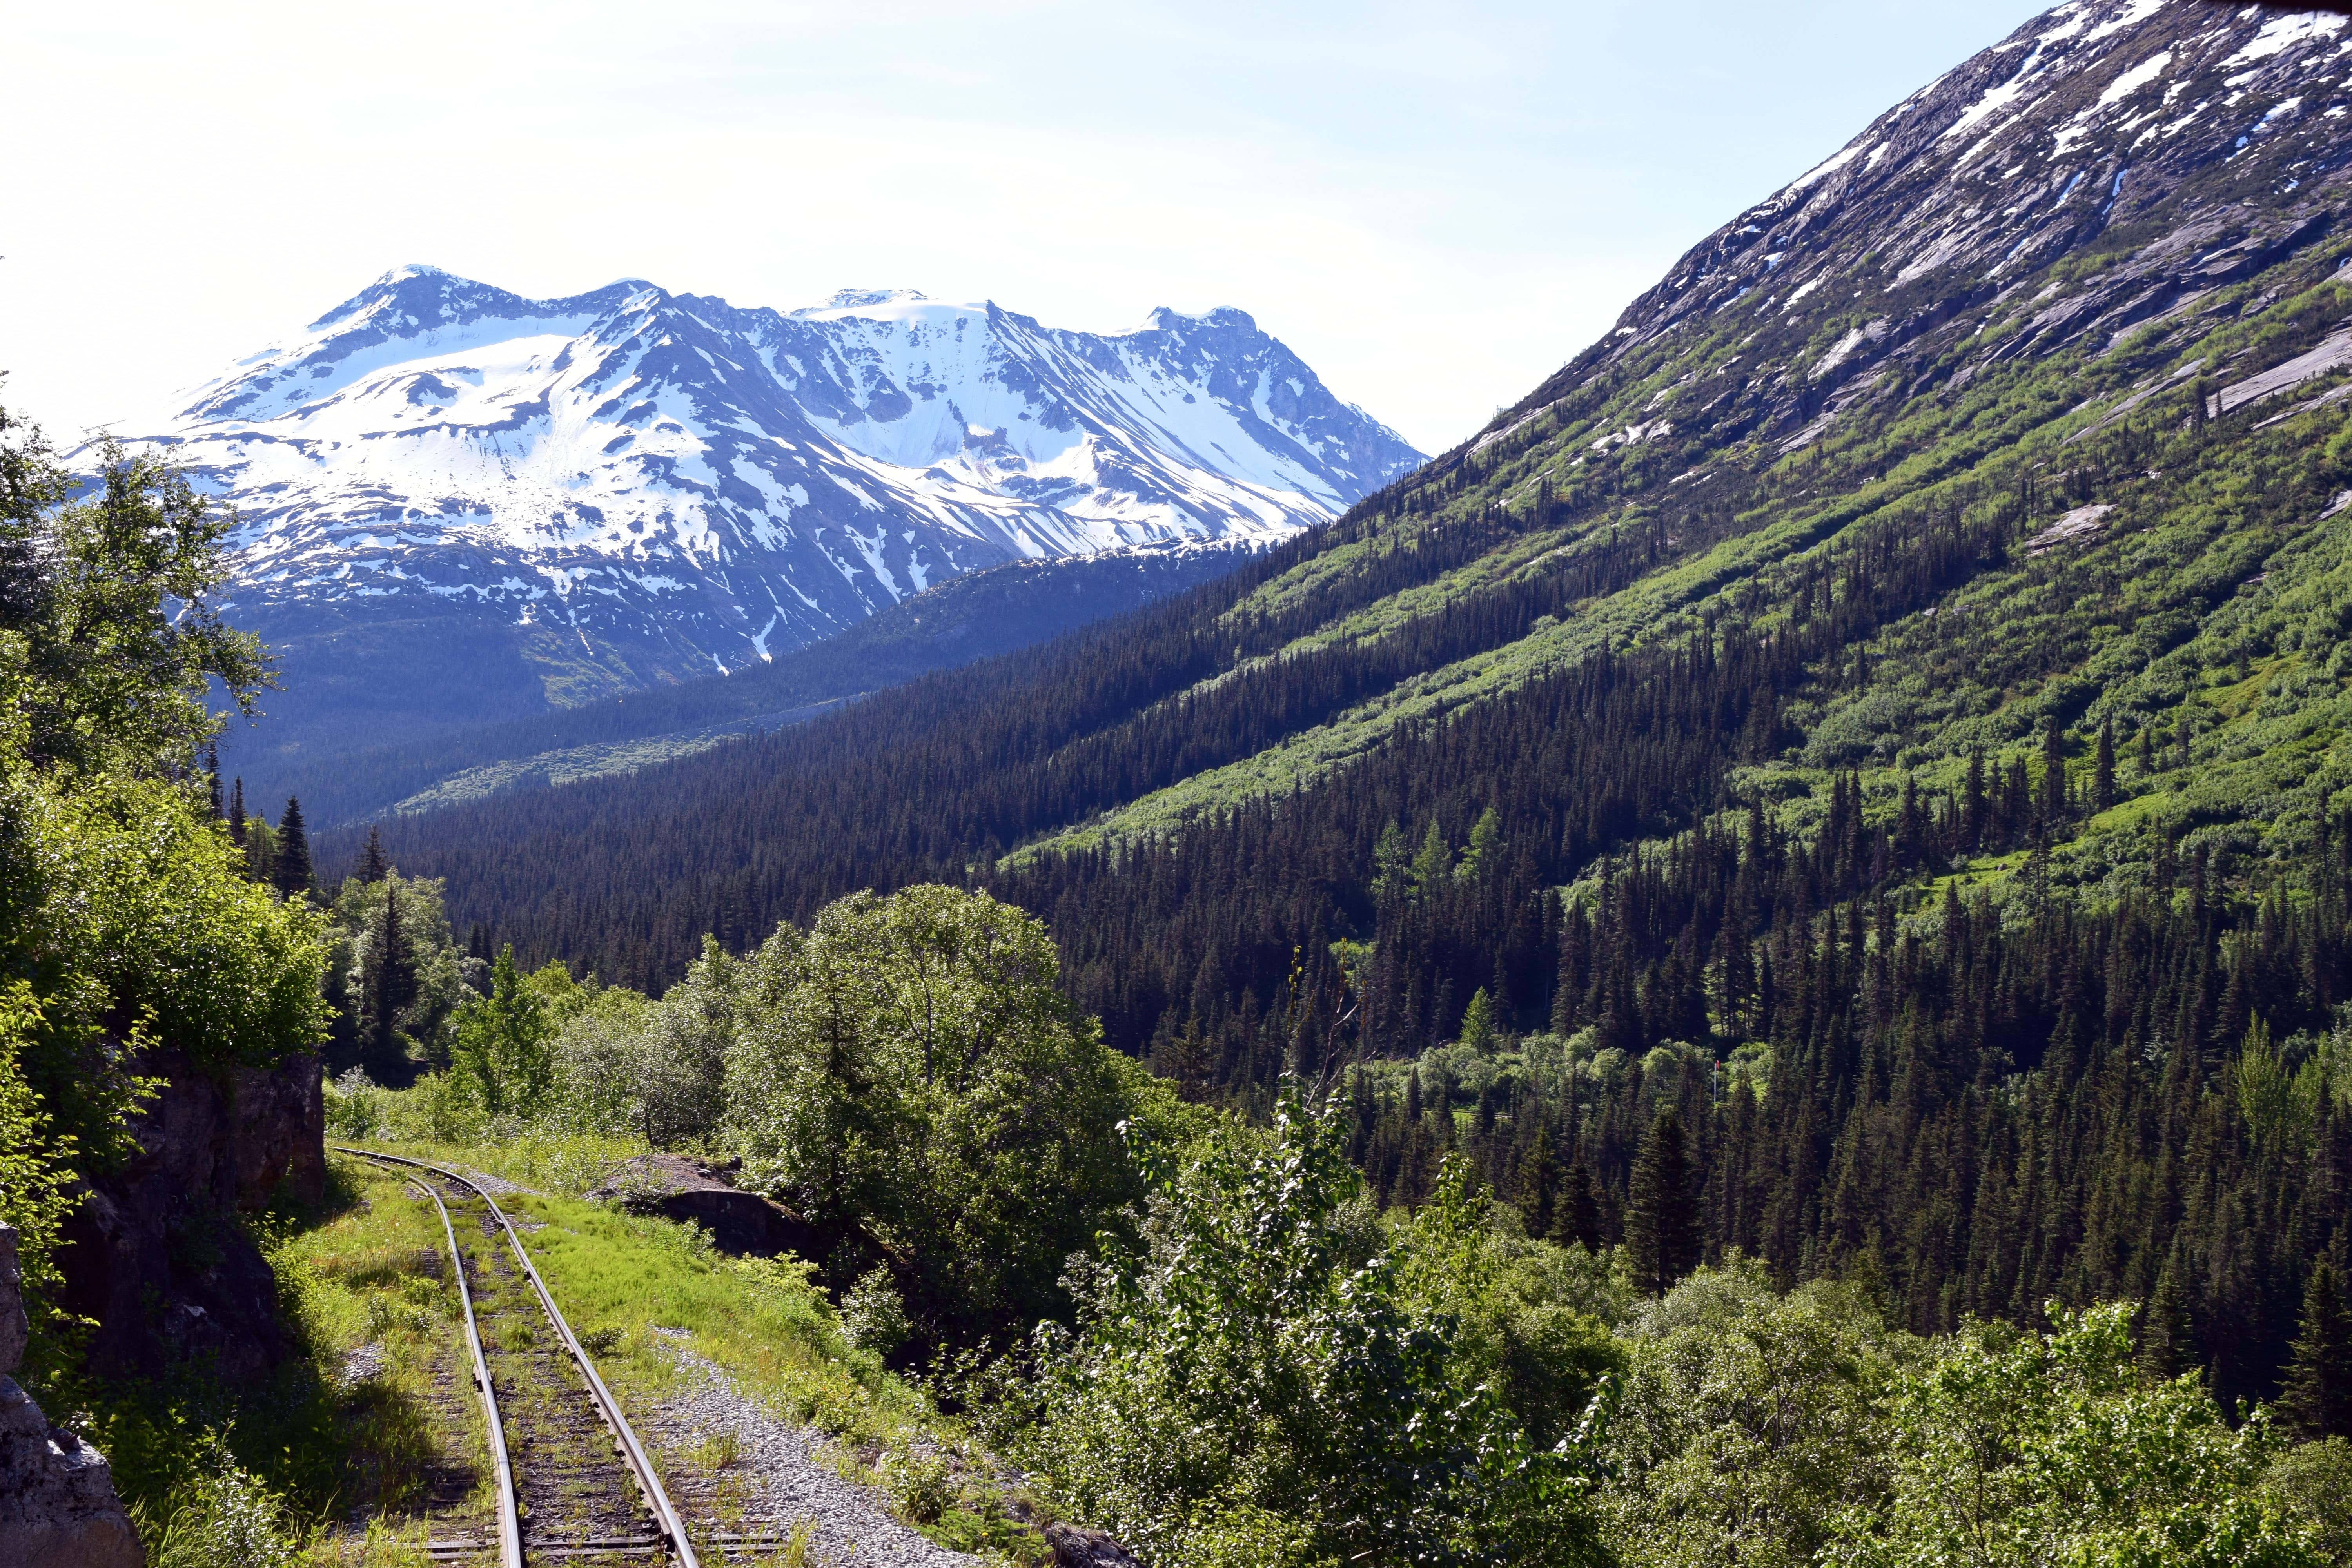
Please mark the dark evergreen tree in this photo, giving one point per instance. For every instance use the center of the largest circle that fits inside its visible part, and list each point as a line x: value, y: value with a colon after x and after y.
x: 237, y: 812
x: 212, y: 778
x: 373, y: 864
x: 2317, y: 1399
x: 2168, y: 1341
x: 1662, y: 1217
x: 2103, y: 781
x: 392, y: 983
x: 291, y: 872
x: 1576, y: 1216
x: 1538, y: 1180
x: 2051, y: 807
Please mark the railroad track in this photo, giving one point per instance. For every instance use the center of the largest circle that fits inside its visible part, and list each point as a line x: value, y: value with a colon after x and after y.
x: 563, y: 1495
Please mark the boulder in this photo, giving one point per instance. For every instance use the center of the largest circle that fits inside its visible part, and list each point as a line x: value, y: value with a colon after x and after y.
x: 57, y: 1506
x: 1074, y: 1546
x: 741, y: 1223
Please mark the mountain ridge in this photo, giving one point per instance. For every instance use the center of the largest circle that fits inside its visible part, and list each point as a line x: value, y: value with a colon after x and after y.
x: 579, y: 496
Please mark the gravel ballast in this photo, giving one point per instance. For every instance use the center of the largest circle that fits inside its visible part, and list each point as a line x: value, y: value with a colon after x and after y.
x: 854, y: 1530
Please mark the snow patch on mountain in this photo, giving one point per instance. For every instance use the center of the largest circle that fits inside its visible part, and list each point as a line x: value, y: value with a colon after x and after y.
x: 678, y: 483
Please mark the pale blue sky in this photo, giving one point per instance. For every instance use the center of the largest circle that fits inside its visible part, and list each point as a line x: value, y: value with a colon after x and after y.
x: 1435, y: 205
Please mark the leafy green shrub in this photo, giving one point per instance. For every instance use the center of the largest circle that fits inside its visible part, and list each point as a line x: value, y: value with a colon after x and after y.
x: 1249, y: 1365
x: 908, y: 1076
x: 353, y: 1107
x: 920, y: 1485
x: 2020, y: 1447
x: 1749, y: 1420
x: 224, y: 1518
x: 2312, y: 1485
x: 873, y: 1316
x: 36, y: 1176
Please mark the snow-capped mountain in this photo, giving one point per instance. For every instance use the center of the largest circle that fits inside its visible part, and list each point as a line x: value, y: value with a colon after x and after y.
x: 2160, y: 148
x: 628, y: 485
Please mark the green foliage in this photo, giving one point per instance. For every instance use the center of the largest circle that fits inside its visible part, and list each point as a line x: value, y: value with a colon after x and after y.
x: 1260, y: 1371
x: 873, y: 1317
x: 2010, y: 1447
x: 395, y: 974
x: 2311, y: 1484
x: 1478, y: 1022
x: 2317, y: 1399
x: 1749, y: 1420
x: 1661, y: 1221
x: 907, y: 1075
x: 1429, y: 865
x: 36, y: 1176
x: 1520, y: 1309
x: 501, y: 1050
x: 225, y: 1517
x: 354, y: 1105
x: 108, y: 630
x: 602, y: 1083
x: 1480, y: 857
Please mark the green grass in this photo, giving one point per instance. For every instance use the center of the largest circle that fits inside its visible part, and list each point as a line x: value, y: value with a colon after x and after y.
x: 619, y: 1278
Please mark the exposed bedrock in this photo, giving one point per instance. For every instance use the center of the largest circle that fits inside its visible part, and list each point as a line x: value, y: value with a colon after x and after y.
x: 155, y: 1253
x: 57, y: 1506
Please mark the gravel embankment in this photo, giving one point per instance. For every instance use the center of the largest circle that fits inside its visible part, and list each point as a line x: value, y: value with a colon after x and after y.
x: 853, y: 1528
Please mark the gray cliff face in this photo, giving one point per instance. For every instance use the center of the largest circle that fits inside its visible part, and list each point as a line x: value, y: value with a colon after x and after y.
x: 57, y: 1506
x: 155, y: 1256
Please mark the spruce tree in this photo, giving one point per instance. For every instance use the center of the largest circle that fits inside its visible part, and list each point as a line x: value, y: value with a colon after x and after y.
x: 393, y: 986
x: 1575, y: 1214
x: 291, y: 874
x: 1538, y: 1180
x: 1972, y: 801
x: 2168, y: 1340
x: 2317, y: 1401
x: 373, y: 864
x: 237, y: 812
x: 2103, y: 782
x: 1661, y: 1232
x: 212, y: 778
x: 1478, y: 1022
x: 2053, y: 804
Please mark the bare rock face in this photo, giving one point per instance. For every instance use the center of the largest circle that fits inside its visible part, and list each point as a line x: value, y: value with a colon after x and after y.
x: 57, y: 1506
x: 742, y: 1222
x: 1074, y: 1546
x: 16, y: 1329
x: 155, y: 1255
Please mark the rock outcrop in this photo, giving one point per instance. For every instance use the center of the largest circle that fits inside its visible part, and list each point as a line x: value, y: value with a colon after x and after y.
x: 742, y: 1222
x: 57, y: 1506
x: 155, y: 1255
x: 1074, y: 1546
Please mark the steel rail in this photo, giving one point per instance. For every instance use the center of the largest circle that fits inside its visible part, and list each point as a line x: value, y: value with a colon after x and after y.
x: 666, y: 1519
x: 509, y: 1520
